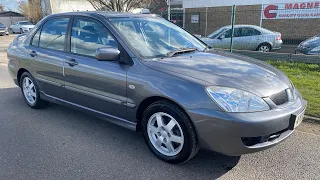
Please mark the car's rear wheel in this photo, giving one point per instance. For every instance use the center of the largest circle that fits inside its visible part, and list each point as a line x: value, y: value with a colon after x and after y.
x: 21, y: 31
x: 169, y: 133
x: 11, y: 31
x: 265, y: 47
x: 30, y: 92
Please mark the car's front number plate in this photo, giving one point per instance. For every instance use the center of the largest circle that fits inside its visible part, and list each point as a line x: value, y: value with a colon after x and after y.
x: 299, y: 119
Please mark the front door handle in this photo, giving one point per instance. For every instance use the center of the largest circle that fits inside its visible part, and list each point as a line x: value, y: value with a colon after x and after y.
x: 72, y: 62
x: 33, y: 53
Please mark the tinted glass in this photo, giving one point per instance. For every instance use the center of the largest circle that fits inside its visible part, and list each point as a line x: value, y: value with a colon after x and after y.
x: 35, y: 40
x: 155, y: 37
x: 216, y: 33
x: 53, y: 34
x: 237, y: 33
x: 2, y: 26
x: 88, y: 35
x: 250, y: 32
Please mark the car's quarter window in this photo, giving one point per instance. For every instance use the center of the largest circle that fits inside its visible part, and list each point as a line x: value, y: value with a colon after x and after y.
x: 53, y: 34
x: 35, y: 39
x: 88, y: 35
x: 249, y: 32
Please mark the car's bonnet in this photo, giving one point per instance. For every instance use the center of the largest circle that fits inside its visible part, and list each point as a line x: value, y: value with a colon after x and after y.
x: 228, y: 70
x: 312, y: 41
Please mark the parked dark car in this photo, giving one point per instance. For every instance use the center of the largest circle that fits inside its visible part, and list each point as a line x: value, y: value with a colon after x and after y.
x: 3, y: 30
x: 147, y: 74
x: 310, y: 46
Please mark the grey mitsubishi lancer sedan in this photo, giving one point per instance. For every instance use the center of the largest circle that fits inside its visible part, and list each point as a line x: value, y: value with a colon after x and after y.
x: 146, y: 74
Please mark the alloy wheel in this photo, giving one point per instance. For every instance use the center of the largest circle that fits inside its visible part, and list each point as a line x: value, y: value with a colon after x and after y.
x: 264, y: 48
x: 165, y: 134
x: 29, y: 90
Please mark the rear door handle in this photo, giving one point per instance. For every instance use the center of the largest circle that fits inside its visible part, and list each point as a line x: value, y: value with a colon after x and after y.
x: 72, y: 62
x: 33, y: 53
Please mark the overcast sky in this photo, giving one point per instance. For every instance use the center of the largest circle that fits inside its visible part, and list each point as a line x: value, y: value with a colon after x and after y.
x: 10, y: 4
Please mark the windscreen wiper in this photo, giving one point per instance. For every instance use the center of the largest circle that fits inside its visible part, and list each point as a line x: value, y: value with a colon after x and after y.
x: 181, y: 50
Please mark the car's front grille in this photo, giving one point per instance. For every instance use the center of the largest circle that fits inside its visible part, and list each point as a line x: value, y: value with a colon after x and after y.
x: 280, y: 98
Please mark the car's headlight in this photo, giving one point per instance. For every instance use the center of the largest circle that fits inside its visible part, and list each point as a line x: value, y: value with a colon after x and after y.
x: 316, y: 49
x: 235, y: 100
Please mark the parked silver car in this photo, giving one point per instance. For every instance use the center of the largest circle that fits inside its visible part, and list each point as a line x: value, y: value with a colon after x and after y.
x: 246, y: 37
x: 147, y: 74
x: 3, y: 30
x: 21, y: 27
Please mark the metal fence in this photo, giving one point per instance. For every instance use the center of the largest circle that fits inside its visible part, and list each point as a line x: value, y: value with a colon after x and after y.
x: 295, y: 22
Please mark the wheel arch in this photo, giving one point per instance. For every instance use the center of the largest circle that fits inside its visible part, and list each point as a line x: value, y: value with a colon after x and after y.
x: 146, y: 102
x: 19, y: 74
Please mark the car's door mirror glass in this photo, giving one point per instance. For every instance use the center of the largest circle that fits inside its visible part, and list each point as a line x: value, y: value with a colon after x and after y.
x: 107, y: 54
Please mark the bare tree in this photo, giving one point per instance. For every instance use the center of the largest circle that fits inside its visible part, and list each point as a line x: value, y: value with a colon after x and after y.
x: 31, y: 10
x: 1, y: 7
x: 122, y: 5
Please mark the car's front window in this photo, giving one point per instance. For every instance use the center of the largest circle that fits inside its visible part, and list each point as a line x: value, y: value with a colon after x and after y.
x: 25, y: 23
x: 216, y: 33
x: 155, y: 37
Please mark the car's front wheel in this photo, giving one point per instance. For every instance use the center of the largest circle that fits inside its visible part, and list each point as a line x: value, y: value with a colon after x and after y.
x: 30, y: 92
x: 169, y: 133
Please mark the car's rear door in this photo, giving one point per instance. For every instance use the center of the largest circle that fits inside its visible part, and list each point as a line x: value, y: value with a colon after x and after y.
x: 47, y: 54
x: 15, y: 27
x: 250, y: 38
x: 97, y: 85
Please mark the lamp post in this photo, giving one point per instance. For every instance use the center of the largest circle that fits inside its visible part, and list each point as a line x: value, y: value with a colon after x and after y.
x: 233, y: 19
x: 169, y: 9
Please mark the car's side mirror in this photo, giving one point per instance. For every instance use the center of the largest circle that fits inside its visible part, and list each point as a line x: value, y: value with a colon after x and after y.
x: 108, y: 54
x: 222, y: 36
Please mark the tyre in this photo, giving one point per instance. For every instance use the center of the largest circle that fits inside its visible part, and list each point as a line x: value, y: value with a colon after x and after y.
x: 265, y: 47
x: 11, y: 31
x: 169, y: 133
x: 21, y: 31
x: 30, y: 92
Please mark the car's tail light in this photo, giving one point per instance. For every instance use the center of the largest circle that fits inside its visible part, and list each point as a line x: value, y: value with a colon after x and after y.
x: 279, y: 37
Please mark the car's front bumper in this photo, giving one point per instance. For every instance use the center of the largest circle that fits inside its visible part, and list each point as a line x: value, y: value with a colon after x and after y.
x: 307, y: 51
x: 224, y: 132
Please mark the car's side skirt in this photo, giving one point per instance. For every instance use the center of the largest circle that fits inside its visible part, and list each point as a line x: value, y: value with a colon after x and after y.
x: 113, y: 119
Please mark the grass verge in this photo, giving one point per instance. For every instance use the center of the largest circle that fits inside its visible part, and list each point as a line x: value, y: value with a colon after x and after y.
x: 306, y: 78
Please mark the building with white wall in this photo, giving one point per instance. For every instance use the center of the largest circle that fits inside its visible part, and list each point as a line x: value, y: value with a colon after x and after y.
x: 295, y: 19
x: 59, y: 6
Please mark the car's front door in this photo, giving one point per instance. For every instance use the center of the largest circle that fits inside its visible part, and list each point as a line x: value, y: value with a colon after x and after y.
x: 90, y: 83
x: 224, y: 39
x: 47, y: 54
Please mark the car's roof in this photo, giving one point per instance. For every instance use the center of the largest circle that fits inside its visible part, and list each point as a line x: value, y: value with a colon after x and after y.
x: 242, y: 25
x: 106, y: 14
